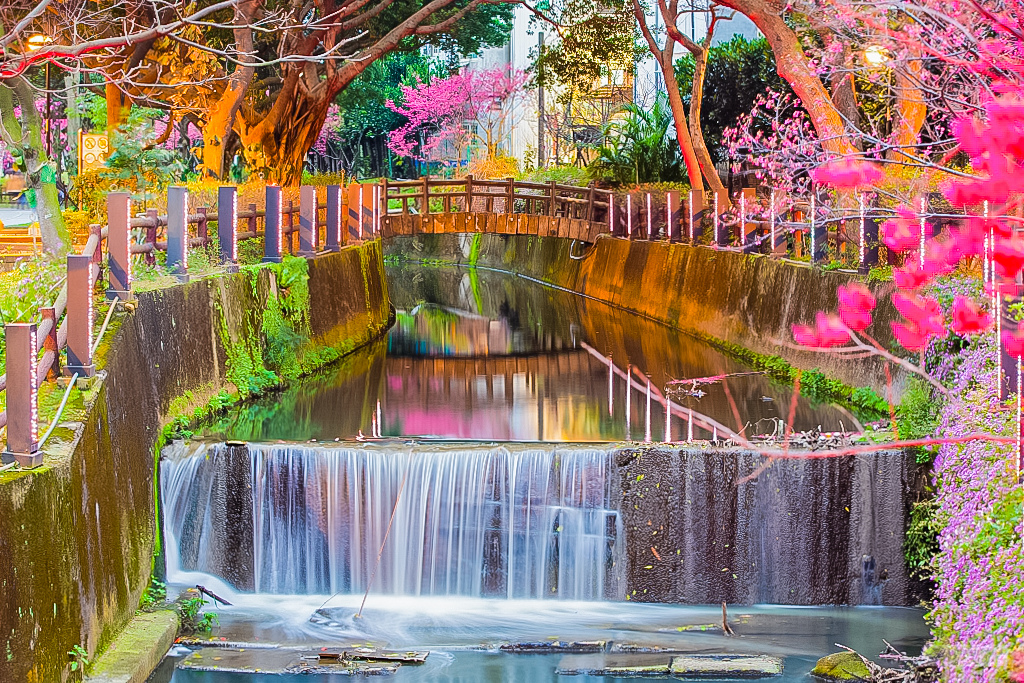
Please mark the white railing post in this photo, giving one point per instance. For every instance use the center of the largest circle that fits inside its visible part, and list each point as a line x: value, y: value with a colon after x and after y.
x: 227, y: 226
x: 177, y: 232
x: 272, y: 244
x: 80, y: 316
x: 119, y: 257
x: 334, y: 238
x: 309, y: 233
x: 22, y: 396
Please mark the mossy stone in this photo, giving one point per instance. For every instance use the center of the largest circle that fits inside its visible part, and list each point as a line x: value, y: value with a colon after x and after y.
x: 842, y: 666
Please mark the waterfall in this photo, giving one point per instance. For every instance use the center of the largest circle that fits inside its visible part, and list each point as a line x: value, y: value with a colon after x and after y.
x: 531, y: 522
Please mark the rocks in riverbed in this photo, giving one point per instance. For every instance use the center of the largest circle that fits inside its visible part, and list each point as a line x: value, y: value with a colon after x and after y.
x: 842, y: 666
x: 726, y: 666
x: 554, y: 647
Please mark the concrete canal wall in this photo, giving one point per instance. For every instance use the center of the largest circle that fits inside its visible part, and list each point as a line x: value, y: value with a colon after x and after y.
x: 750, y: 301
x: 78, y: 535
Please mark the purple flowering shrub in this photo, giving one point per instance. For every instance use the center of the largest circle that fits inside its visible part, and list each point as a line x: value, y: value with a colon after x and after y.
x: 978, y: 613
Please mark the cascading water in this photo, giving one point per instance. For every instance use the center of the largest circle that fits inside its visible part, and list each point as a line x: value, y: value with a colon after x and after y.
x: 310, y: 519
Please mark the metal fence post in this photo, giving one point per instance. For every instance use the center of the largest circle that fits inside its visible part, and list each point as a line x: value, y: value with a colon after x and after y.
x: 673, y: 215
x: 272, y: 226
x: 119, y: 257
x: 334, y: 238
x: 177, y: 232
x: 309, y: 242
x: 227, y: 231
x: 80, y: 317
x: 355, y: 211
x: 22, y: 396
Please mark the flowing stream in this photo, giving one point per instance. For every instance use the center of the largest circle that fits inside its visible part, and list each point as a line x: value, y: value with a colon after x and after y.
x: 477, y: 439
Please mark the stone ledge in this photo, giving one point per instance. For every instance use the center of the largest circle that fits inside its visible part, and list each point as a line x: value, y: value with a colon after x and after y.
x: 137, y: 650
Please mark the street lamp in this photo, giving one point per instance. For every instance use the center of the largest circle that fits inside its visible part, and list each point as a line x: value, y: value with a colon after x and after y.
x: 876, y: 55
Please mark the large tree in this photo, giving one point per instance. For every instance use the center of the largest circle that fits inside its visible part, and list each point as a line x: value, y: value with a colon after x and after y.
x: 75, y: 34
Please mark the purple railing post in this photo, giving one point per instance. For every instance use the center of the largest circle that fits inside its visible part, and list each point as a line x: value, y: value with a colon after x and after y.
x: 22, y: 396
x: 227, y: 231
x: 334, y: 238
x: 309, y: 234
x: 119, y: 257
x: 80, y: 316
x: 272, y: 226
x: 177, y: 232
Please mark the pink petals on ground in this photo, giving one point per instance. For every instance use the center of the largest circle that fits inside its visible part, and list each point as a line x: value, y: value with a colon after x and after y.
x: 968, y: 318
x: 828, y: 332
x: 855, y: 305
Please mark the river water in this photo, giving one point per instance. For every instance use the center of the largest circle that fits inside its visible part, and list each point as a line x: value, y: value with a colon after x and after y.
x: 459, y: 472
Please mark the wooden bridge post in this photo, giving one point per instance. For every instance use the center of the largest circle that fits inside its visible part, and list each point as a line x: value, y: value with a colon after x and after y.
x: 177, y: 232
x: 334, y: 235
x: 510, y: 207
x: 591, y: 192
x: 252, y: 219
x: 22, y: 396
x: 50, y: 340
x: 151, y: 229
x: 119, y: 263
x: 309, y: 242
x: 552, y: 193
x: 203, y: 226
x: 272, y: 226
x: 80, y: 316
x: 425, y: 203
x: 469, y: 193
x: 290, y: 226
x: 227, y: 233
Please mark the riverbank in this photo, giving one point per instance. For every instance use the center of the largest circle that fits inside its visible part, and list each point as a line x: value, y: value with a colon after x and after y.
x: 78, y: 535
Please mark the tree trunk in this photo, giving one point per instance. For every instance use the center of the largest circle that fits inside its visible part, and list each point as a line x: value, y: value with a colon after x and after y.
x: 118, y: 107
x: 275, y: 145
x: 911, y: 110
x: 700, y: 148
x: 27, y: 136
x: 793, y: 66
x: 221, y: 116
x: 71, y: 81
x: 675, y: 101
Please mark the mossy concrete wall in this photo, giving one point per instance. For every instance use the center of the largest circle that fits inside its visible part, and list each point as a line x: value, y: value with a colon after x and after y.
x: 751, y: 301
x: 77, y: 536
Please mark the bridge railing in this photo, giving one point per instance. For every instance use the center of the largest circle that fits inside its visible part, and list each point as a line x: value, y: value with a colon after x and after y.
x: 428, y: 196
x: 33, y: 349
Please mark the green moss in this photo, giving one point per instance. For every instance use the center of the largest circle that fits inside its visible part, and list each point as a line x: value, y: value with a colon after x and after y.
x: 865, y: 402
x: 474, y: 249
x: 842, y: 666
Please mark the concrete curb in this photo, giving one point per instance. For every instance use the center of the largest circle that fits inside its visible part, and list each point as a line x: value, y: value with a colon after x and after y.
x: 138, y: 650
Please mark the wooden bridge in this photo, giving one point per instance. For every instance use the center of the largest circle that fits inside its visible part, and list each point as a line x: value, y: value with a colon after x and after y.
x: 505, y: 207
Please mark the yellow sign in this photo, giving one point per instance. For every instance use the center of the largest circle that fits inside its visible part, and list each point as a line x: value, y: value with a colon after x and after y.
x: 93, y: 149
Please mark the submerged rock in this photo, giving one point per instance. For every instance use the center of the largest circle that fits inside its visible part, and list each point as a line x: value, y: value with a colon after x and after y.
x: 619, y: 666
x: 842, y: 666
x: 554, y: 646
x: 726, y: 666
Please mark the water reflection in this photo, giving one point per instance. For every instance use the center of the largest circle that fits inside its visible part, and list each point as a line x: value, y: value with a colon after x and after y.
x: 478, y: 354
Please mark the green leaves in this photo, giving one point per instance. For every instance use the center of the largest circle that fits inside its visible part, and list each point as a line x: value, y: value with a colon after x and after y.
x: 639, y: 148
